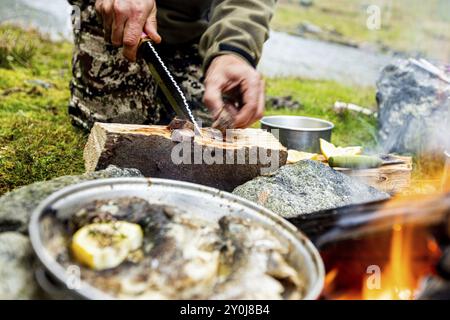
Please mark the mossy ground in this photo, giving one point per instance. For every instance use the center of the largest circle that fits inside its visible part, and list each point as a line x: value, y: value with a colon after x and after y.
x: 38, y: 142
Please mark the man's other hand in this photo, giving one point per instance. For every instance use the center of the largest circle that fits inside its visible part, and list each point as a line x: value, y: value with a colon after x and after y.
x: 227, y: 74
x: 125, y: 20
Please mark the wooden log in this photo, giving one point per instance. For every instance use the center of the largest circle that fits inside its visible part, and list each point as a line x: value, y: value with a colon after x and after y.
x: 159, y: 152
x: 339, y: 107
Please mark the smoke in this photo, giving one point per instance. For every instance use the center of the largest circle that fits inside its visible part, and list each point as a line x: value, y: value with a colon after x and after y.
x: 440, y: 133
x: 418, y: 136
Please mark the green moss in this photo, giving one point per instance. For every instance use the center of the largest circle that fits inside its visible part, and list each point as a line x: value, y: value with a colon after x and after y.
x: 37, y: 141
x: 16, y: 48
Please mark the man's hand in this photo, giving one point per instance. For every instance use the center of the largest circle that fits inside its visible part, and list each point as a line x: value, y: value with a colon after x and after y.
x: 125, y: 20
x: 230, y: 74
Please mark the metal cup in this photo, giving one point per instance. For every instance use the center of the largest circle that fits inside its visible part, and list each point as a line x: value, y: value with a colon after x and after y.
x: 298, y: 133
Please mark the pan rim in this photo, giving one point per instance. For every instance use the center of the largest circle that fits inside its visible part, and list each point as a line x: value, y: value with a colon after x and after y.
x: 266, y: 122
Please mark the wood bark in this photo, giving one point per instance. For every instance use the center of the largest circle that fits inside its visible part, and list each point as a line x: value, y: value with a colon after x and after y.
x: 204, y: 160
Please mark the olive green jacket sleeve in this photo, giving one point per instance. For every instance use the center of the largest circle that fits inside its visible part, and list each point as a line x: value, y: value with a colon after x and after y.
x: 237, y: 26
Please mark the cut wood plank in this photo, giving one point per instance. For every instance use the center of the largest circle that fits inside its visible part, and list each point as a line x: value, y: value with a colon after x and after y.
x: 157, y: 152
x: 392, y: 179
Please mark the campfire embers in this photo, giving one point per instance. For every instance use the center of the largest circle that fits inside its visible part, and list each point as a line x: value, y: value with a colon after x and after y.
x: 384, y: 250
x: 384, y: 265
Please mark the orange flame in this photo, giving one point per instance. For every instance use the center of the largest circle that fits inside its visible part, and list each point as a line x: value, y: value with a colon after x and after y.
x: 397, y: 282
x: 412, y: 251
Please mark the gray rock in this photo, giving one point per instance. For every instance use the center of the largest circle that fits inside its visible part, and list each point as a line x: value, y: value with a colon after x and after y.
x: 287, y: 102
x: 306, y: 27
x: 414, y: 109
x: 16, y: 206
x: 306, y: 187
x: 306, y: 3
x: 16, y: 268
x: 434, y: 288
x: 40, y: 83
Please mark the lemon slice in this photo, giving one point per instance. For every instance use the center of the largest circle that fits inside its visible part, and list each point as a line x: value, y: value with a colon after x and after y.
x: 296, y: 156
x: 330, y: 150
x: 103, y: 246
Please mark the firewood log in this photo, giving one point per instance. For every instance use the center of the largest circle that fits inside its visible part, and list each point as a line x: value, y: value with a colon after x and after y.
x: 160, y: 152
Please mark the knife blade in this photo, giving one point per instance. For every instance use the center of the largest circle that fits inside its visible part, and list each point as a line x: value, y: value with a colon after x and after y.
x: 389, y: 159
x: 166, y: 82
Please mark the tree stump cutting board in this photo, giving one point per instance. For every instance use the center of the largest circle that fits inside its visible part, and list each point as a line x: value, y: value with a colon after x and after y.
x: 161, y: 153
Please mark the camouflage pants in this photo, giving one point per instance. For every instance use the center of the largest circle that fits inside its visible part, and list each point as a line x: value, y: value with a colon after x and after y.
x: 107, y: 88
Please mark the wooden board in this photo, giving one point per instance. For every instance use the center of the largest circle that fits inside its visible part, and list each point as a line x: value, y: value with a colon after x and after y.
x: 151, y: 148
x: 389, y: 178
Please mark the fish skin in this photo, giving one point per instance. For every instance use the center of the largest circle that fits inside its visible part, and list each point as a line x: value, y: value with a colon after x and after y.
x: 257, y: 262
x: 165, y: 269
x: 131, y: 209
x: 186, y: 257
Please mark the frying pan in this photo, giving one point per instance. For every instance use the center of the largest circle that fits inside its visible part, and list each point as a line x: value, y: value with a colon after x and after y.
x: 208, y: 203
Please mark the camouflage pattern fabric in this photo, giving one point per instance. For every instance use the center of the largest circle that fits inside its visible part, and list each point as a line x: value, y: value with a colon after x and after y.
x: 107, y: 88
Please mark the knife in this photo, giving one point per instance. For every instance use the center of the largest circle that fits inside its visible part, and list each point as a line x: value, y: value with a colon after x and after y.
x: 166, y: 81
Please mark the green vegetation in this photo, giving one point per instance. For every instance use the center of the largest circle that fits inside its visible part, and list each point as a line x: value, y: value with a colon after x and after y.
x: 406, y: 25
x: 37, y: 141
x: 15, y: 49
x: 318, y: 98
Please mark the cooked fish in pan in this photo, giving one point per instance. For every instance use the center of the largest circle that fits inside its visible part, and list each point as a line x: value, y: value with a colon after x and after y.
x: 132, y: 249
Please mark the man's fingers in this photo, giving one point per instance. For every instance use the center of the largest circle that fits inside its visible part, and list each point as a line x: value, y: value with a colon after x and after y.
x: 99, y: 8
x: 107, y: 17
x: 228, y: 73
x: 133, y: 33
x: 125, y: 20
x: 131, y: 38
x: 151, y: 27
x: 251, y: 93
x: 262, y: 102
x: 213, y: 96
x: 118, y: 27
x: 259, y: 112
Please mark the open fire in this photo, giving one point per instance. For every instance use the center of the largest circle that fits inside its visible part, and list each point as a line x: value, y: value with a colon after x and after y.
x: 390, y: 253
x: 383, y: 266
x: 401, y: 276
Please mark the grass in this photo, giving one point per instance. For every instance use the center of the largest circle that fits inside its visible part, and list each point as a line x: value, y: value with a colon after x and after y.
x: 406, y: 25
x: 15, y: 49
x: 38, y: 142
x: 318, y: 98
